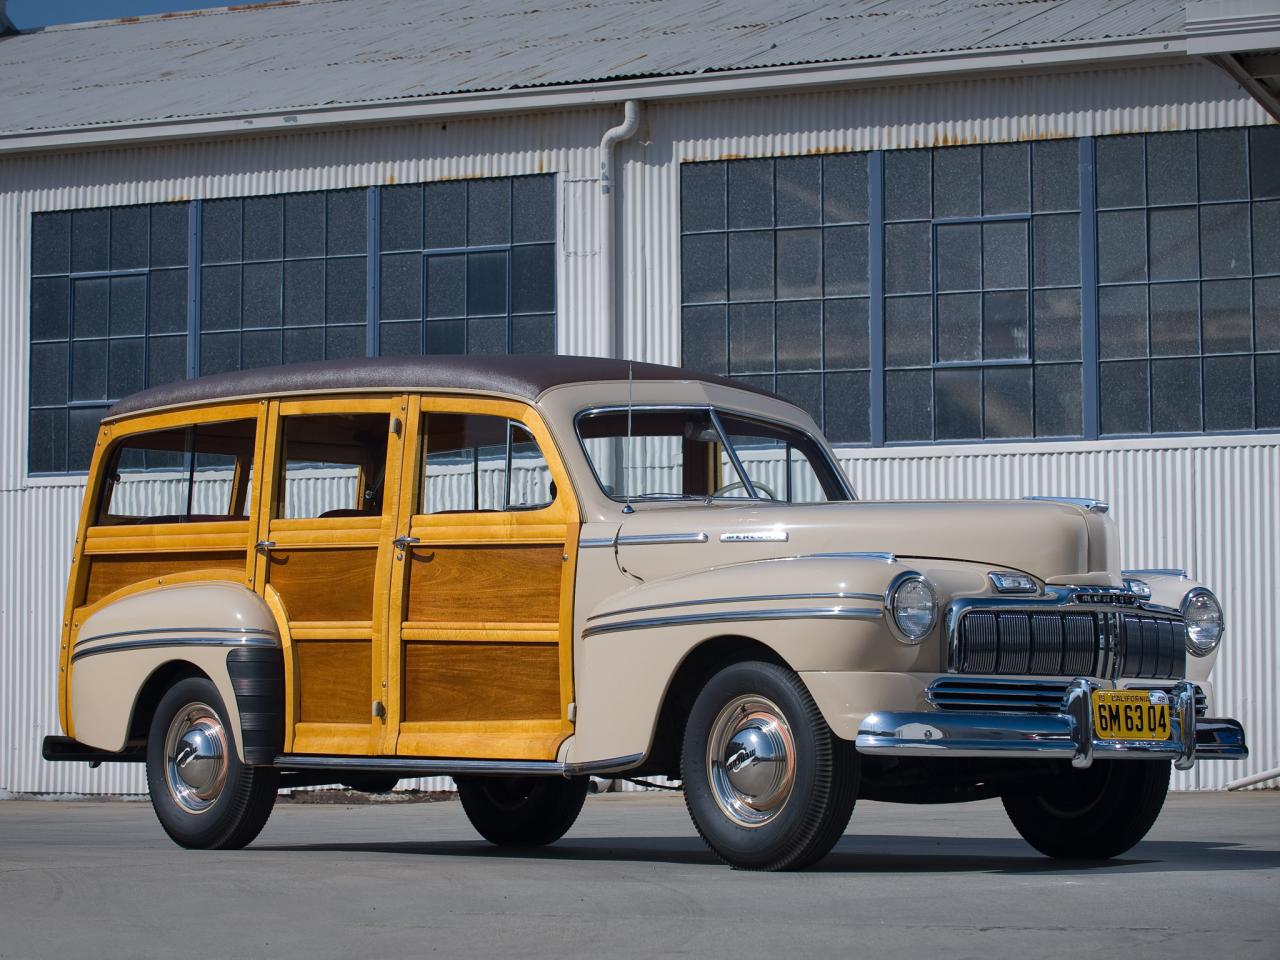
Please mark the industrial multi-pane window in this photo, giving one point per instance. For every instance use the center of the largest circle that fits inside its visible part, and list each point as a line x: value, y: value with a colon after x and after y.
x: 119, y: 302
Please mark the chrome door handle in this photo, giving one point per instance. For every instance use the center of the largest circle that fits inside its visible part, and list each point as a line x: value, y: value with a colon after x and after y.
x: 401, y: 542
x: 265, y: 546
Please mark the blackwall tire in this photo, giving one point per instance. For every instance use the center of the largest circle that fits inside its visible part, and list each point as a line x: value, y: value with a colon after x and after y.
x: 767, y: 784
x: 203, y: 795
x: 522, y: 811
x: 1092, y: 814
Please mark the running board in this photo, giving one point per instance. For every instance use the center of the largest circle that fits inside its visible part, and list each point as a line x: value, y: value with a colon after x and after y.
x: 445, y: 767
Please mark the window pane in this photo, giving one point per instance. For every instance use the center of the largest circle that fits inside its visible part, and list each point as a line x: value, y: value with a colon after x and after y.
x: 166, y: 359
x: 1125, y: 396
x: 304, y: 292
x: 1266, y: 236
x: 1055, y: 175
x: 1004, y: 326
x: 445, y: 211
x: 345, y: 281
x: 1175, y: 320
x: 487, y: 335
x: 1266, y: 307
x: 303, y: 344
x: 263, y: 294
x: 799, y: 186
x: 355, y: 448
x: 907, y: 184
x: 751, y: 266
x: 533, y: 279
x: 908, y: 332
x: 90, y: 312
x: 844, y: 333
x: 847, y: 408
x: 1005, y: 179
x: 799, y: 335
x: 488, y: 212
x: 50, y: 242
x: 400, y: 217
x: 401, y: 286
x: 167, y: 295
x: 346, y: 227
x: 1268, y: 375
x: 1228, y: 393
x: 1058, y: 409
x: 1224, y: 240
x: 844, y: 188
x: 47, y: 441
x: 703, y: 340
x: 129, y: 240
x: 959, y: 398
x: 1006, y: 402
x: 1174, y: 251
x: 89, y: 370
x: 128, y: 306
x: 1175, y: 396
x: 957, y: 182
x: 169, y: 227
x: 1057, y: 324
x: 447, y: 286
x: 260, y: 348
x: 1228, y: 322
x: 304, y: 218
x: 751, y: 338
x: 844, y: 261
x: 1057, y: 250
x: 1264, y: 147
x: 751, y: 194
x: 446, y: 336
x: 1223, y: 165
x: 702, y: 268
x: 1121, y: 179
x: 219, y: 352
x: 82, y: 429
x: 960, y: 326
x: 702, y: 200
x: 1171, y: 168
x: 400, y: 338
x: 486, y: 284
x: 907, y: 258
x: 1122, y: 246
x: 1004, y: 255
x: 533, y: 209
x: 48, y: 374
x: 221, y: 230
x: 799, y: 263
x: 263, y: 228
x: 908, y: 405
x: 89, y: 229
x: 533, y: 334
x: 50, y: 302
x: 220, y: 298
x: 959, y: 256
x: 343, y: 343
x: 1122, y: 322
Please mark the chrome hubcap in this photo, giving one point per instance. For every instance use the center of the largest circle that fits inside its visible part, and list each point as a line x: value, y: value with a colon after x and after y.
x: 196, y: 758
x: 751, y: 760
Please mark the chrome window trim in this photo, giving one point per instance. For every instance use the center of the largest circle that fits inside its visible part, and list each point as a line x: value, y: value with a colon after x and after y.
x: 260, y: 640
x: 736, y: 616
x: 757, y: 598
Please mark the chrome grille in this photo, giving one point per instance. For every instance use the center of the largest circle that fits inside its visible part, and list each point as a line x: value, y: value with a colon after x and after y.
x: 993, y: 695
x: 1152, y: 647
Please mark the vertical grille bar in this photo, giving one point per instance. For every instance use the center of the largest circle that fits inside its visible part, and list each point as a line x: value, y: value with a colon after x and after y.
x: 1047, y: 645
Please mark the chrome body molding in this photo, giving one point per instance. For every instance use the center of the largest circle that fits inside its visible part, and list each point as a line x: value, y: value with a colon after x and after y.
x: 644, y: 539
x: 850, y: 555
x: 1086, y: 503
x: 208, y: 638
x: 1066, y: 735
x: 703, y: 601
x: 756, y: 536
x: 737, y: 616
x: 595, y: 543
x: 444, y: 766
x: 1156, y: 572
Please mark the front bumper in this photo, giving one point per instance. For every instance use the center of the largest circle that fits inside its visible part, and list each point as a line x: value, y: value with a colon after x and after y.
x: 1067, y: 735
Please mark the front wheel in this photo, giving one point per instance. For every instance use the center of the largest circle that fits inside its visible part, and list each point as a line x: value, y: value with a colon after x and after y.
x: 203, y: 795
x: 767, y: 784
x: 522, y: 811
x: 1092, y: 814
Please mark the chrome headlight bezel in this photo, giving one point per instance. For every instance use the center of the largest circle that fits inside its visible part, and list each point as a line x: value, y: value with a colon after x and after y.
x: 913, y: 633
x: 1197, y: 596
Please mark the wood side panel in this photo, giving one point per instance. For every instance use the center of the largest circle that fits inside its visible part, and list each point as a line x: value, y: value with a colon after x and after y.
x: 334, y: 679
x: 489, y: 584
x: 325, y: 584
x: 109, y: 573
x: 476, y: 682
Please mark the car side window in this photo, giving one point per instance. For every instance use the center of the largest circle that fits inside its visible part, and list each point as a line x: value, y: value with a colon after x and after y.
x: 194, y: 474
x: 476, y: 462
x: 333, y: 465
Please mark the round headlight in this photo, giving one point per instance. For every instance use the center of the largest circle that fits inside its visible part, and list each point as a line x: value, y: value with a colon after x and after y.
x: 1203, y: 616
x: 913, y: 606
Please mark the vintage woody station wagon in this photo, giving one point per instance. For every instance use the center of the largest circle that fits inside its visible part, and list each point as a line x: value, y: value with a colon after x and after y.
x: 524, y: 571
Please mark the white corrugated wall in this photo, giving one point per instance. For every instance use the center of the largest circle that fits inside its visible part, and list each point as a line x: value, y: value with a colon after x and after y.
x: 1210, y: 504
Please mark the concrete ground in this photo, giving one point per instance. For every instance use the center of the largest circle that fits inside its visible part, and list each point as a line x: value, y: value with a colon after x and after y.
x: 100, y: 879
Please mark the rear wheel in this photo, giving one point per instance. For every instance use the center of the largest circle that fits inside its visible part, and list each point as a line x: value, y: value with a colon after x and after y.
x: 203, y: 795
x: 1091, y: 814
x: 767, y: 784
x: 522, y: 811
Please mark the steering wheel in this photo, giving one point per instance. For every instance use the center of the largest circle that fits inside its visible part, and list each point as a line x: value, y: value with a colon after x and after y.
x: 739, y: 485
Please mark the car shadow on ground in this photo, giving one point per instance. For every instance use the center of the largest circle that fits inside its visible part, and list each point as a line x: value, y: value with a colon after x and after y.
x: 869, y: 855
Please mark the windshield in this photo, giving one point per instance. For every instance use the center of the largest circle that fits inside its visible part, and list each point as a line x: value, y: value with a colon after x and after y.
x: 675, y: 453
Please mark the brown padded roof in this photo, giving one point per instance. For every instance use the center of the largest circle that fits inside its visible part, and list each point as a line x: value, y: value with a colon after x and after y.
x: 521, y: 376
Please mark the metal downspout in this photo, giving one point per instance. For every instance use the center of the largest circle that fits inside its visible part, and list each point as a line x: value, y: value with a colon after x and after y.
x: 609, y: 315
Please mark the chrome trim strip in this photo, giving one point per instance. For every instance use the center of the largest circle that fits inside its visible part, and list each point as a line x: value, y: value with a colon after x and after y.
x: 168, y: 630
x: 850, y: 555
x: 1155, y: 572
x: 740, y: 616
x: 1087, y: 503
x: 764, y: 596
x: 591, y: 543
x: 426, y: 766
x: 643, y: 539
x: 261, y: 640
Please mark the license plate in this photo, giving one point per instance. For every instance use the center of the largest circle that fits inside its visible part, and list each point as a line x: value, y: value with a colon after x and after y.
x: 1131, y: 715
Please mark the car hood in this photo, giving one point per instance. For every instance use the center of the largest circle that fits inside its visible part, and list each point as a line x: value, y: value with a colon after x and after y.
x: 1057, y: 542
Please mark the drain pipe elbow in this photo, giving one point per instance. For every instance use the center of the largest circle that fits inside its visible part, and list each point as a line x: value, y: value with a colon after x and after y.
x: 608, y: 256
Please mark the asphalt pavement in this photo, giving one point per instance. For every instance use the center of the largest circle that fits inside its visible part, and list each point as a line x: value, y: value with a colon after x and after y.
x: 632, y: 879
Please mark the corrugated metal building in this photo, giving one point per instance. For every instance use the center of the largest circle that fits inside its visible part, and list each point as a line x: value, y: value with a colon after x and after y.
x: 998, y: 249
